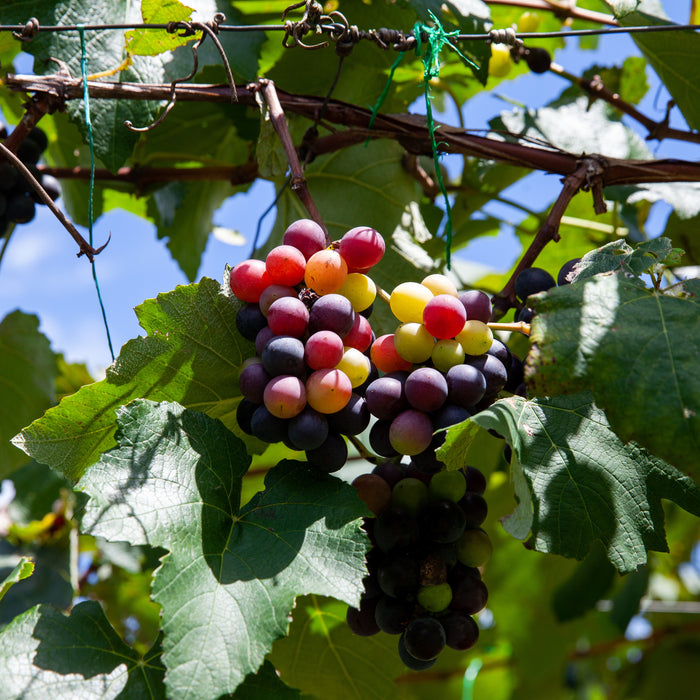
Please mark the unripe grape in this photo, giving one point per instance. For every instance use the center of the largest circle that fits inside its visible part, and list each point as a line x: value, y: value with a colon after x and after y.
x: 435, y: 598
x: 448, y: 485
x: 325, y: 271
x: 528, y: 22
x: 355, y: 365
x: 411, y: 432
x: 413, y: 342
x: 475, y: 337
x: 305, y: 235
x: 374, y: 491
x: 474, y: 548
x: 440, y: 284
x: 447, y: 354
x: 359, y: 289
x: 500, y: 62
x: 408, y: 300
x: 410, y: 494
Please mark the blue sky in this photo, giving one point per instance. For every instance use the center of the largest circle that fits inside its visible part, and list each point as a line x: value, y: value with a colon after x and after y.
x: 41, y: 274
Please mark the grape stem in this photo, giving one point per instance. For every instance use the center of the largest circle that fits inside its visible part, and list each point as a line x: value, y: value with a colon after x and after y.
x: 383, y: 295
x: 518, y: 327
x: 85, y: 248
x: 362, y: 450
x: 279, y: 122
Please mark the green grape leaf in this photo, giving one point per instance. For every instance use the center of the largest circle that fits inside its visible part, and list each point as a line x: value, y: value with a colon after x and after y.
x: 27, y: 377
x: 620, y: 256
x: 671, y: 56
x: 44, y: 653
x: 229, y: 581
x: 149, y: 42
x: 584, y: 483
x: 24, y: 569
x: 322, y: 657
x: 635, y: 349
x: 191, y: 354
x: 264, y: 685
x: 626, y: 603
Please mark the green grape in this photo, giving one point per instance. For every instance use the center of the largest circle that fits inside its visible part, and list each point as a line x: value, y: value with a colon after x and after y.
x: 474, y: 548
x: 356, y: 365
x: 410, y: 494
x: 435, y: 598
x: 476, y: 337
x: 446, y: 354
x: 413, y: 342
x: 448, y: 485
x: 408, y: 300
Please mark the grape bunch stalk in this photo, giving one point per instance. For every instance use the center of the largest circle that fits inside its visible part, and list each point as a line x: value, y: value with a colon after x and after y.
x: 17, y: 197
x: 320, y: 376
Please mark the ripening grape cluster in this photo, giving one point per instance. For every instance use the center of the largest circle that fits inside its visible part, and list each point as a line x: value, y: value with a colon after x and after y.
x: 306, y: 312
x: 17, y: 198
x: 424, y: 583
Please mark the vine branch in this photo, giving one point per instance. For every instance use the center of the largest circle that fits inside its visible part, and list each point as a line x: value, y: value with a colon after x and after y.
x: 560, y: 10
x: 85, y: 248
x: 279, y: 122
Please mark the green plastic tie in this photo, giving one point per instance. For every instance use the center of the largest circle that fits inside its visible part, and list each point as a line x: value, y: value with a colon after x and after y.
x: 470, y: 678
x: 91, y: 142
x: 437, y: 38
x: 385, y: 92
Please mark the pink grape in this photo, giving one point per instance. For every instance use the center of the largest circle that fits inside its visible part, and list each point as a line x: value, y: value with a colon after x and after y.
x: 328, y: 390
x: 411, y: 432
x: 249, y: 279
x: 324, y: 350
x: 288, y: 316
x: 285, y: 396
x: 285, y: 264
x: 444, y: 316
x: 360, y: 335
x: 305, y: 235
x: 274, y: 292
x: 361, y: 247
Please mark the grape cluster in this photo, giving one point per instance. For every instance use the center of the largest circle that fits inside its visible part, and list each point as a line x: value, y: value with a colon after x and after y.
x: 423, y: 581
x: 304, y: 311
x: 17, y: 198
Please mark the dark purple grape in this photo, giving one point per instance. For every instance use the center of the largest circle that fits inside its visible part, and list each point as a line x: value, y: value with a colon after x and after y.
x: 391, y: 472
x: 29, y: 152
x: 398, y: 576
x: 532, y: 280
x: 373, y: 374
x: 426, y: 389
x: 466, y: 385
x: 475, y: 509
x: 501, y: 351
x: 3, y: 204
x: 477, y: 304
x: 424, y: 638
x: 426, y: 462
x: 386, y: 398
x: 411, y: 661
x: 352, y: 419
x: 538, y: 59
x: 515, y: 374
x: 330, y: 456
x: 361, y: 620
x: 263, y: 338
x: 461, y: 631
x: 308, y: 430
x: 9, y: 175
x: 51, y: 186
x: 331, y: 312
x: 379, y: 439
x: 393, y: 614
x: 267, y: 427
x: 395, y: 528
x: 525, y: 315
x: 566, y: 268
x: 475, y: 479
x: 284, y: 355
x: 244, y: 414
x: 38, y: 135
x: 449, y: 414
x: 20, y: 209
x: 252, y: 382
x: 469, y: 595
x: 250, y: 321
x: 493, y: 370
x: 442, y: 521
x: 368, y: 311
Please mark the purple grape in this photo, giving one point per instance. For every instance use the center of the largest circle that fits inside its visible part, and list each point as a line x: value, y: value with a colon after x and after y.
x: 252, y: 382
x: 466, y: 385
x: 426, y: 389
x: 250, y: 321
x: 308, y: 430
x: 386, y: 398
x: 332, y: 312
x: 330, y: 456
x: 352, y: 419
x: 477, y: 305
x: 284, y: 355
x: 424, y: 638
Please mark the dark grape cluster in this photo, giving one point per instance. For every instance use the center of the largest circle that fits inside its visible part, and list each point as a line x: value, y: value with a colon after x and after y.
x: 424, y: 582
x: 17, y: 198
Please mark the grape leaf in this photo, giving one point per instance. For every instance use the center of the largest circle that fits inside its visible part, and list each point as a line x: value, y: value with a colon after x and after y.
x: 584, y: 483
x: 635, y: 349
x: 24, y: 569
x: 265, y: 684
x: 27, y: 377
x: 620, y: 256
x: 148, y: 42
x: 229, y: 581
x: 191, y: 354
x: 671, y: 56
x: 322, y: 657
x: 44, y: 653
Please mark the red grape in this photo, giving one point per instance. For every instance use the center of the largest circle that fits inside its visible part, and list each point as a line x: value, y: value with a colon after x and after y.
x: 305, y: 235
x: 361, y: 247
x: 249, y: 279
x: 285, y: 264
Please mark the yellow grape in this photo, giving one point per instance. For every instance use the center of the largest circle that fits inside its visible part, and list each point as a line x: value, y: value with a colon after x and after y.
x: 413, y: 342
x: 355, y: 365
x: 476, y: 337
x: 500, y: 62
x: 439, y: 284
x: 360, y: 290
x: 446, y: 354
x: 408, y: 300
